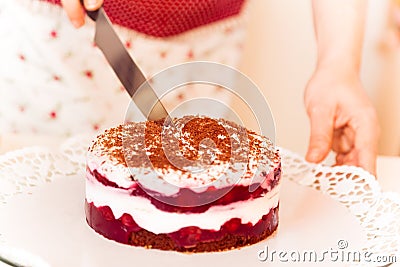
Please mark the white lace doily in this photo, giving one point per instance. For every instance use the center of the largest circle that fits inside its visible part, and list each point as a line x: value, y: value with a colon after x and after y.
x: 377, y: 212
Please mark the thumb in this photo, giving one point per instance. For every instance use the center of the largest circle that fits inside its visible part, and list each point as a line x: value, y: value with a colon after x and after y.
x: 321, y: 120
x: 92, y: 4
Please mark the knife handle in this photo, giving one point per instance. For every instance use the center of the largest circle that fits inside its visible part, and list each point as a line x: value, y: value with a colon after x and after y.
x: 91, y: 14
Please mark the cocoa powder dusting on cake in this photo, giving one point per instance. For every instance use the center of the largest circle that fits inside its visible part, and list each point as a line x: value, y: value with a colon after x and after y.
x: 199, y: 131
x: 192, y: 141
x: 110, y: 143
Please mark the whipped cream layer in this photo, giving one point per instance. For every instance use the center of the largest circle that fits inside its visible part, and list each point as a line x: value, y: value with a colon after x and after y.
x: 234, y: 156
x: 147, y: 216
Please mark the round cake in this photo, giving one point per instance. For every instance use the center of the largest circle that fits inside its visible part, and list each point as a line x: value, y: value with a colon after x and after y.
x: 194, y: 185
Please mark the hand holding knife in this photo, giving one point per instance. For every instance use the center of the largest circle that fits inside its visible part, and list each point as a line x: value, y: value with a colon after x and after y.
x: 127, y: 71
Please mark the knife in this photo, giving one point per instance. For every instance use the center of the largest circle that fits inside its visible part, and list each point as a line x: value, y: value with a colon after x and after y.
x: 127, y: 71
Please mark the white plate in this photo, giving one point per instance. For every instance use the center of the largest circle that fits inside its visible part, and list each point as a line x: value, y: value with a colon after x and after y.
x: 50, y: 222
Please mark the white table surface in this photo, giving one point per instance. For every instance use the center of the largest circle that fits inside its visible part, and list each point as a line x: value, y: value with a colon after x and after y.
x: 319, y: 210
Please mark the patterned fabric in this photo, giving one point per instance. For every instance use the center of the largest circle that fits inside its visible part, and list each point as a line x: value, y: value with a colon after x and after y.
x: 163, y: 18
x: 53, y: 80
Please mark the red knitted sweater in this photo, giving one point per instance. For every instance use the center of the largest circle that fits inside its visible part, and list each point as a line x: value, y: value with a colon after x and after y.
x: 162, y: 18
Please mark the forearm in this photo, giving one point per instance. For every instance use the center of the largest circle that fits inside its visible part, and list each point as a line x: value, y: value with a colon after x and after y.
x: 339, y: 28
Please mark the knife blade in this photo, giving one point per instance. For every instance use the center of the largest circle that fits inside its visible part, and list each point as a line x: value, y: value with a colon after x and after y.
x: 127, y: 71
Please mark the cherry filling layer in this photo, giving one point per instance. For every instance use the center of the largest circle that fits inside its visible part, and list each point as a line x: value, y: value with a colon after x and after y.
x: 223, y: 196
x: 231, y: 234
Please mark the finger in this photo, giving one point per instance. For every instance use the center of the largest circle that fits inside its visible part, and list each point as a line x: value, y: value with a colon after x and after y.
x: 350, y: 134
x: 342, y: 142
x: 350, y: 158
x: 336, y: 140
x: 339, y: 159
x: 92, y: 4
x: 366, y: 141
x: 321, y: 134
x: 74, y: 11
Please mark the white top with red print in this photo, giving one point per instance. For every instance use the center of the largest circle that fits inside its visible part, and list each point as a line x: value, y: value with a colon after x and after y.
x: 54, y: 80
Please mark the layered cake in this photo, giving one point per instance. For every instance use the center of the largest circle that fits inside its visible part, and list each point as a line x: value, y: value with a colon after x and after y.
x: 194, y: 185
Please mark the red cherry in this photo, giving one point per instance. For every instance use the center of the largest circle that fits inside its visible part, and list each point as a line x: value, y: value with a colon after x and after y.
x: 190, y: 233
x: 228, y: 198
x: 211, y: 188
x: 232, y: 225
x: 107, y: 213
x: 127, y: 220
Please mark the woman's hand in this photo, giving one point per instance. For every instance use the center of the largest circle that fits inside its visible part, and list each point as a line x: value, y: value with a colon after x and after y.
x: 342, y: 119
x: 76, y: 12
